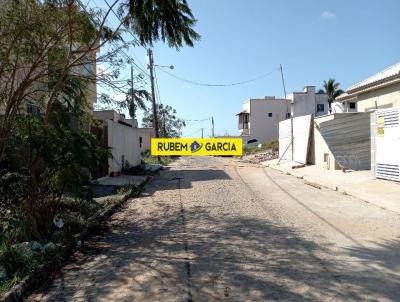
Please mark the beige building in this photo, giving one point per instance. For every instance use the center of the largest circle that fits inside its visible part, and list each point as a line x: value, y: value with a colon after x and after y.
x: 259, y: 119
x: 379, y: 91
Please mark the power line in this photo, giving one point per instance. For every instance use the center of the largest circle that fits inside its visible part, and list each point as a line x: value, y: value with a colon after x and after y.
x: 202, y: 120
x: 219, y: 85
x: 130, y: 32
x: 113, y: 42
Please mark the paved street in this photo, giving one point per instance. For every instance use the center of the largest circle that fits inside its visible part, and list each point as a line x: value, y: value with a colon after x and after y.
x: 212, y: 229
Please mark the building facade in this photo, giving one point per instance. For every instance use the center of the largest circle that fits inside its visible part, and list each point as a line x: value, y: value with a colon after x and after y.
x: 259, y: 119
x: 379, y: 91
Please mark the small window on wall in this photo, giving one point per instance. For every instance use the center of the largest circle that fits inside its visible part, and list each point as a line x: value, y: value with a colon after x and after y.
x: 320, y: 107
x: 140, y: 141
x: 352, y: 105
x: 269, y: 114
x: 288, y: 115
x: 32, y: 109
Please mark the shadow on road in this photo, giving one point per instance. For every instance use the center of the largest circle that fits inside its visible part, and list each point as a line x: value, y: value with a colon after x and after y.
x: 231, y: 258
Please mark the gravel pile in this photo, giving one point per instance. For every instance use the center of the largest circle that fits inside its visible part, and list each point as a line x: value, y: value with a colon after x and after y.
x: 260, y: 157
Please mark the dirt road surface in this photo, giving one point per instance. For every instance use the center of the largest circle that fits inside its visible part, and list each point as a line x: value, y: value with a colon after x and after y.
x: 215, y: 229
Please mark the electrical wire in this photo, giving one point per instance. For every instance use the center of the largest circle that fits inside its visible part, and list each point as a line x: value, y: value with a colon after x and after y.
x: 133, y: 36
x: 219, y: 85
x: 197, y: 121
x: 114, y: 43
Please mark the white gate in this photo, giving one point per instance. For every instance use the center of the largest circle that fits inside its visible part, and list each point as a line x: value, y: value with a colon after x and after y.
x: 387, y: 138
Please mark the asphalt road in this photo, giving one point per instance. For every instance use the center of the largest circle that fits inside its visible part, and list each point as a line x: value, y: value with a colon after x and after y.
x: 212, y: 229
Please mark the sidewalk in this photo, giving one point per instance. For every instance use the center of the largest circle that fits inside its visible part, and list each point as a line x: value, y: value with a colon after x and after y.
x: 360, y: 184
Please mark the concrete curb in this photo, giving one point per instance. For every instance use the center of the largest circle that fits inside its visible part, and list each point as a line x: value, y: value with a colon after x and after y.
x: 340, y: 189
x: 34, y: 280
x: 312, y: 182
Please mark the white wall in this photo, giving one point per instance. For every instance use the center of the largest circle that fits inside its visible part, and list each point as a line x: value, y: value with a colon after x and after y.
x: 263, y: 127
x: 123, y: 142
x: 301, y: 138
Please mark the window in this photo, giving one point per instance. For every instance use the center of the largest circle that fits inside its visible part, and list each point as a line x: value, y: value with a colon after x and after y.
x: 352, y: 105
x: 32, y: 109
x: 269, y: 114
x: 288, y: 115
x: 320, y: 107
x: 140, y: 141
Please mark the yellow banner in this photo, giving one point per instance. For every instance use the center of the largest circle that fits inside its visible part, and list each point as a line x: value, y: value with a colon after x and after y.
x: 196, y: 146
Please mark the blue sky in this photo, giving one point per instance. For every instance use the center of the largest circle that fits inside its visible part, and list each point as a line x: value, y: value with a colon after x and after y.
x: 313, y: 40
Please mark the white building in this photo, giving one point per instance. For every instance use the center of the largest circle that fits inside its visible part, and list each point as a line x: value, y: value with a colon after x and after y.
x: 259, y: 119
x: 125, y: 141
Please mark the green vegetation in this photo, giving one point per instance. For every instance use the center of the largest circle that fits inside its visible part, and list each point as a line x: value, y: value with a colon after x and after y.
x: 47, y: 150
x: 164, y: 160
x: 331, y: 88
x: 169, y: 124
x: 268, y: 145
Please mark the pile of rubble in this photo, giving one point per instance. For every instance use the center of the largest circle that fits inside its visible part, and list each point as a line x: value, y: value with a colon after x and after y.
x: 260, y: 157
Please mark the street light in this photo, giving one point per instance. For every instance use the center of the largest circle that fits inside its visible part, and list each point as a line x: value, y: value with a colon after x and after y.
x: 166, y: 66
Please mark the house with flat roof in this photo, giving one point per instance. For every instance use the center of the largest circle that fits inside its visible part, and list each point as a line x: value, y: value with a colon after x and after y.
x: 259, y: 119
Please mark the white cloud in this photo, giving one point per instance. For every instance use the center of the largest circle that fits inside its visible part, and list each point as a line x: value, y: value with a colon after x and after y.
x: 327, y: 15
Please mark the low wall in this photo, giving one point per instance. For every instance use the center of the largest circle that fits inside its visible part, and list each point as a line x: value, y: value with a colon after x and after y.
x: 123, y: 142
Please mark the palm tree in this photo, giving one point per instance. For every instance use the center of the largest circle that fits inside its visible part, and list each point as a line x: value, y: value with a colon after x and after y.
x: 170, y: 21
x: 139, y: 101
x: 331, y: 88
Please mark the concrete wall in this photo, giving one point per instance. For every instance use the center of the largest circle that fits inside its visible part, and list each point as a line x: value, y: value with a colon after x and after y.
x: 321, y: 155
x: 123, y: 142
x: 343, y: 141
x: 301, y: 139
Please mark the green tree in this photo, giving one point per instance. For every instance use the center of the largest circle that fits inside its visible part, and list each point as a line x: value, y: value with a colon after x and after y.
x: 31, y: 49
x: 169, y: 124
x: 331, y: 88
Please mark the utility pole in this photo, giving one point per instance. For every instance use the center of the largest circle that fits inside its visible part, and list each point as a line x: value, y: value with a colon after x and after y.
x: 212, y: 128
x: 202, y: 132
x: 153, y: 95
x: 133, y: 98
x: 291, y: 112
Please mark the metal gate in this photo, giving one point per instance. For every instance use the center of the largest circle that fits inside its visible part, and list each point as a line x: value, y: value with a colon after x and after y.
x: 387, y: 131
